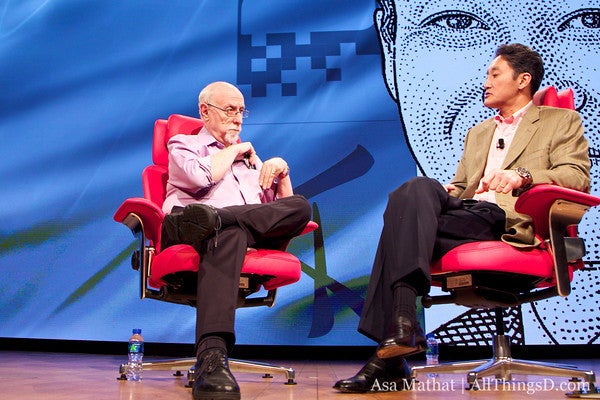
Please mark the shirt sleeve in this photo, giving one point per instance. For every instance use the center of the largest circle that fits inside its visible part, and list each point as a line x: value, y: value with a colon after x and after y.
x: 189, y: 165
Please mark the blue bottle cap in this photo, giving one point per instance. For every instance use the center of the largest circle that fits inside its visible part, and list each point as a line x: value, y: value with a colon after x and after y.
x: 137, y: 330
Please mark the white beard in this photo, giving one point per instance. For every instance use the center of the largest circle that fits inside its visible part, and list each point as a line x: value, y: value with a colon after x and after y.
x: 232, y: 137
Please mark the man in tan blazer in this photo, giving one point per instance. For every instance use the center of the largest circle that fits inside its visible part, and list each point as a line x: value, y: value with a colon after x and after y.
x: 548, y: 143
x: 521, y: 146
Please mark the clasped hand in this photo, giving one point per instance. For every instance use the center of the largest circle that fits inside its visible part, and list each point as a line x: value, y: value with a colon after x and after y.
x: 273, y: 168
x: 500, y: 181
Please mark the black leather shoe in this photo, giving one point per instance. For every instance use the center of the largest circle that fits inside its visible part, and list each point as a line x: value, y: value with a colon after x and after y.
x: 190, y: 225
x: 213, y: 379
x: 197, y: 222
x: 408, y: 339
x: 377, y: 375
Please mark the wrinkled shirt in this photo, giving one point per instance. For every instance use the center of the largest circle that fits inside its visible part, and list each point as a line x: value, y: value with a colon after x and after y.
x: 190, y: 178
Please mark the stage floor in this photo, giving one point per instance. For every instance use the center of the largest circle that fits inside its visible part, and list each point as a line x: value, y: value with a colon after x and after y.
x: 61, y: 376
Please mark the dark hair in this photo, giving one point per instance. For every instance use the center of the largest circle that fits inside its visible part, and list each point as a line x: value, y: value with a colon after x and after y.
x: 523, y: 59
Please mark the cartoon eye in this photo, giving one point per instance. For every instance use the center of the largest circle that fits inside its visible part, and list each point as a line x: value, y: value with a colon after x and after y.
x: 587, y: 18
x: 458, y: 20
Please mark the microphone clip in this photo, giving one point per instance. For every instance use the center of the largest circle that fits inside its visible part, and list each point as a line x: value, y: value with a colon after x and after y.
x: 500, y: 144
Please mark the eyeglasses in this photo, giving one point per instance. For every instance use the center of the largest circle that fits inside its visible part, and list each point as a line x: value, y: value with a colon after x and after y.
x: 232, y: 112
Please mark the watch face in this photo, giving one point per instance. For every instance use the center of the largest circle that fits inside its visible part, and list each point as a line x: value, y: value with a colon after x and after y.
x: 523, y: 173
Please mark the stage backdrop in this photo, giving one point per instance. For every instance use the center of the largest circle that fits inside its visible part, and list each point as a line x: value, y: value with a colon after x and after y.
x: 356, y: 98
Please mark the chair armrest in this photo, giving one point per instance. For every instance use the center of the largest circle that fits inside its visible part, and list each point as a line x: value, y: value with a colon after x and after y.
x: 553, y: 209
x: 150, y: 215
x: 536, y: 203
x: 311, y: 226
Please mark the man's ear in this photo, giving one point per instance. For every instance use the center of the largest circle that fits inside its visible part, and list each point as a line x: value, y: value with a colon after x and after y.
x: 524, y: 80
x: 203, y: 111
x: 386, y: 32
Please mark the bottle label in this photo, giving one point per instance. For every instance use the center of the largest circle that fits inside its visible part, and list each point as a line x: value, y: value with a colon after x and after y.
x: 136, y: 347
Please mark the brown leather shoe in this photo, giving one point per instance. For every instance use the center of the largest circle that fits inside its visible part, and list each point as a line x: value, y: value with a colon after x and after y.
x: 408, y: 339
x: 377, y: 375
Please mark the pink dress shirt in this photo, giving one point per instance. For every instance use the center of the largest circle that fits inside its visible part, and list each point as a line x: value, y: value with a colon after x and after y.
x: 190, y: 179
x: 505, y: 132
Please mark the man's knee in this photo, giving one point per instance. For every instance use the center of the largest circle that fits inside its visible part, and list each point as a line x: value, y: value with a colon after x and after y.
x: 300, y: 205
x: 418, y: 186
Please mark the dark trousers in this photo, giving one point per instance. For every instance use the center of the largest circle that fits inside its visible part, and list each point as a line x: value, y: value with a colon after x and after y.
x: 271, y: 226
x: 420, y: 224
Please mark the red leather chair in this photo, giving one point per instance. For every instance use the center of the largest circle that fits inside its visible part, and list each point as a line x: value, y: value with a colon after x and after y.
x: 170, y: 274
x: 495, y: 275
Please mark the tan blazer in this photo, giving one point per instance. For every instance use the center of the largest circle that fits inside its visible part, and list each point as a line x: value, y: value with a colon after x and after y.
x: 549, y: 143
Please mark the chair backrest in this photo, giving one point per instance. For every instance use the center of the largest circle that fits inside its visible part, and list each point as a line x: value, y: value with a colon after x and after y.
x: 154, y: 183
x: 154, y: 177
x: 549, y: 96
x: 166, y: 129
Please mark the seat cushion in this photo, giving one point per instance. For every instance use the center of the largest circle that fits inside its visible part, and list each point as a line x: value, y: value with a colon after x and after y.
x: 177, y: 258
x: 284, y: 267
x: 496, y: 256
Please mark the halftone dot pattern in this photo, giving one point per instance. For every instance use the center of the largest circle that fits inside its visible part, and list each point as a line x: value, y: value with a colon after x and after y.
x: 477, y: 328
x: 580, y: 321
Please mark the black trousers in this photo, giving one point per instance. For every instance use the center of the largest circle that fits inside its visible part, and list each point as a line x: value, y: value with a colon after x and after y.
x: 420, y: 224
x: 269, y: 225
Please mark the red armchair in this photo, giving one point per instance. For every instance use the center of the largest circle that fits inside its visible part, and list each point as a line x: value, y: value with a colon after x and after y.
x: 169, y: 274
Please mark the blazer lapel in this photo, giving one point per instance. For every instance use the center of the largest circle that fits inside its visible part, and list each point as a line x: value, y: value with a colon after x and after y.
x: 527, y: 129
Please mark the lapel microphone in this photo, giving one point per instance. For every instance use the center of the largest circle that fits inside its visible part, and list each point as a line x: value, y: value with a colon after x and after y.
x: 500, y: 144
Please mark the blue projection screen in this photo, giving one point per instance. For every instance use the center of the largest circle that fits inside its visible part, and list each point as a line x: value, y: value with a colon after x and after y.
x: 355, y: 99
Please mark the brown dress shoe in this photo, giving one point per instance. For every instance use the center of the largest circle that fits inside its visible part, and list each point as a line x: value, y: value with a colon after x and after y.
x: 408, y: 339
x: 377, y: 375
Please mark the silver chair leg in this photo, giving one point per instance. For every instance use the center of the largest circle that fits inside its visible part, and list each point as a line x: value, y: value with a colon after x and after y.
x: 449, y: 368
x: 235, y: 365
x: 266, y: 369
x: 502, y: 366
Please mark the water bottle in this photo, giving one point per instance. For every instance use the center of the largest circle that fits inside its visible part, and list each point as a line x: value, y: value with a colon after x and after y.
x: 136, y: 353
x: 432, y: 352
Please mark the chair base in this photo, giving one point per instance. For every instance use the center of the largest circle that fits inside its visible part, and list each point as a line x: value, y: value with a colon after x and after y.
x: 234, y: 365
x: 502, y: 366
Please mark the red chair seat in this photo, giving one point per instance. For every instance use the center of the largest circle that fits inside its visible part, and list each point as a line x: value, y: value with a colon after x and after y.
x: 496, y: 256
x: 284, y: 267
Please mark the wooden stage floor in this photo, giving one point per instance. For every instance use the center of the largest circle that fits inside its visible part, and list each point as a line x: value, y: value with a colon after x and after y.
x: 62, y: 376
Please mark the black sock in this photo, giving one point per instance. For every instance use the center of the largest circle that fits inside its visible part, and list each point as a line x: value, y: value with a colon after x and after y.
x: 227, y: 338
x: 227, y: 217
x: 405, y: 301
x: 211, y: 342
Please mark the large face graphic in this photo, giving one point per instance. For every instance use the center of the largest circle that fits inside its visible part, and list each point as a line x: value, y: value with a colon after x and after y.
x: 435, y: 57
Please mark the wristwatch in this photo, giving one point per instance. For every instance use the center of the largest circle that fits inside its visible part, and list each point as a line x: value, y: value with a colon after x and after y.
x: 526, y: 175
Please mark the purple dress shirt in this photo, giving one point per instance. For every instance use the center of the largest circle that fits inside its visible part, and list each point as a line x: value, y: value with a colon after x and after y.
x: 190, y: 179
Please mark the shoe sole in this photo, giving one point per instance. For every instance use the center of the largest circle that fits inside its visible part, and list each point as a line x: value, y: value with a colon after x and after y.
x: 397, y: 350
x: 217, y: 396
x: 400, y: 384
x: 348, y: 390
x: 170, y: 233
x: 198, y: 221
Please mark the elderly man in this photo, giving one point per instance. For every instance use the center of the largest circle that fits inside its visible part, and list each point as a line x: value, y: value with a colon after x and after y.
x: 222, y: 199
x: 522, y: 145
